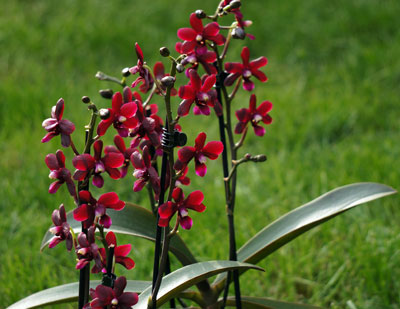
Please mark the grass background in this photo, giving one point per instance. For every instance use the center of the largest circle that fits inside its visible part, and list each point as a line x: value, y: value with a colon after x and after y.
x: 334, y: 77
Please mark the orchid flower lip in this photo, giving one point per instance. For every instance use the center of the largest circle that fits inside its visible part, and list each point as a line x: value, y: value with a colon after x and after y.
x: 114, y: 302
x: 53, y: 175
x: 121, y: 119
x: 199, y: 37
x: 202, y: 158
x: 183, y: 212
x: 247, y: 73
x: 257, y: 118
x: 100, y: 167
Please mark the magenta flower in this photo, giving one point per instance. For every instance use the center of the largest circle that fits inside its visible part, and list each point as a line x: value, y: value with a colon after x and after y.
x: 121, y: 116
x: 200, y: 55
x: 200, y: 153
x: 144, y: 171
x: 120, y: 253
x: 197, y: 35
x: 56, y: 164
x: 116, y: 298
x: 246, y: 70
x: 239, y: 17
x: 159, y: 73
x: 61, y: 229
x: 144, y: 78
x: 199, y: 93
x: 85, y: 164
x: 254, y: 116
x: 56, y: 125
x: 181, y: 206
x: 87, y: 250
x: 91, y: 208
x: 121, y: 148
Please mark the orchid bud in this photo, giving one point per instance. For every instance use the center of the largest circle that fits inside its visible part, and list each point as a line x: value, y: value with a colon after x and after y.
x: 238, y: 33
x: 200, y: 14
x: 180, y: 68
x: 260, y: 158
x: 106, y: 93
x: 164, y: 51
x: 168, y: 81
x: 86, y: 99
x: 247, y: 156
x: 104, y: 113
x: 125, y: 72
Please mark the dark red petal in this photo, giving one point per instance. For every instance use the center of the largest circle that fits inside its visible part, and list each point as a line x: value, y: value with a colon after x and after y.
x: 54, y: 242
x: 163, y: 222
x: 51, y: 161
x: 260, y: 131
x: 128, y: 109
x: 177, y: 194
x: 208, y: 83
x: 49, y: 124
x: 188, y: 46
x: 48, y: 137
x: 219, y: 39
x: 113, y: 172
x: 213, y: 149
x: 139, y: 52
x: 128, y: 299
x: 66, y: 126
x: 113, y: 160
x: 118, y: 206
x: 104, y: 294
x: 98, y: 181
x: 211, y: 30
x: 248, y: 85
x: 264, y: 108
x: 184, y: 107
x: 243, y: 115
x: 111, y: 239
x: 186, y: 34
x: 245, y: 54
x: 199, y: 141
x: 267, y: 119
x: 117, y: 102
x: 65, y: 140
x: 139, y: 184
x: 195, y: 198
x: 166, y: 210
x: 98, y: 147
x: 131, y: 123
x: 103, y: 126
x: 54, y: 186
x: 201, y: 169
x: 137, y: 160
x: 258, y: 63
x: 119, y: 142
x: 195, y: 80
x: 83, y: 162
x: 233, y: 67
x: 127, y: 262
x: 259, y: 75
x: 81, y: 213
x: 186, y: 92
x: 252, y: 104
x: 186, y: 223
x: 240, y: 127
x: 59, y: 109
x: 230, y: 79
x: 198, y: 208
x: 123, y: 250
x: 127, y: 93
x: 85, y: 196
x: 158, y: 70
x: 108, y: 199
x: 185, y: 154
x: 79, y: 175
x: 196, y: 23
x: 119, y: 286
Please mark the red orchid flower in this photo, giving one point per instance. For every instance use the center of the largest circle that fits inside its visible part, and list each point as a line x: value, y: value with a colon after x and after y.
x: 87, y: 250
x: 61, y: 228
x: 200, y: 55
x: 181, y: 206
x: 121, y: 148
x: 121, y: 116
x: 144, y: 171
x: 200, y: 153
x: 246, y: 69
x: 198, y: 92
x: 91, y: 208
x: 144, y: 78
x: 253, y: 115
x: 120, y: 253
x: 116, y: 298
x: 56, y: 164
x: 56, y: 125
x: 197, y: 35
x: 85, y: 164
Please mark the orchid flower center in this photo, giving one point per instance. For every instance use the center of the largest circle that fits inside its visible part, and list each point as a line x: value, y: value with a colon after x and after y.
x: 257, y: 118
x: 199, y: 38
x: 183, y: 212
x: 114, y: 302
x: 121, y: 118
x: 246, y: 73
x: 100, y: 167
x: 53, y: 175
x: 202, y: 158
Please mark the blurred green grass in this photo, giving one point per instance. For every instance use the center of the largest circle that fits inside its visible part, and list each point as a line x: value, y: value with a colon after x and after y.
x: 334, y: 79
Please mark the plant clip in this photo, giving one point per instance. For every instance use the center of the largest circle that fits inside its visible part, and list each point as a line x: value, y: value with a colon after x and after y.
x: 171, y: 140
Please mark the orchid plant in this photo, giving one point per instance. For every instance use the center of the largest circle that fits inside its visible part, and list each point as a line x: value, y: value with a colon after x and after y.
x: 154, y: 150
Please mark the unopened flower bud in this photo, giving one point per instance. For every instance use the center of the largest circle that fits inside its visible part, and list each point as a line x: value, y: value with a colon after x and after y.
x: 200, y: 14
x: 180, y: 68
x: 164, y: 51
x: 238, y: 33
x: 104, y: 113
x: 86, y: 99
x: 260, y: 158
x: 168, y: 81
x: 125, y: 72
x: 247, y: 156
x: 235, y: 4
x: 106, y: 93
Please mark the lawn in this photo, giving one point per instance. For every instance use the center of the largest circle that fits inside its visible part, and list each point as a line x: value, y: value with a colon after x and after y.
x: 334, y: 80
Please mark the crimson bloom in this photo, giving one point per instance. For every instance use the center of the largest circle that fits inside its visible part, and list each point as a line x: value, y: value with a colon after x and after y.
x: 181, y: 206
x: 246, y: 70
x: 91, y: 208
x: 121, y: 116
x: 121, y: 148
x: 253, y: 115
x: 116, y: 298
x: 197, y: 35
x: 61, y: 228
x: 144, y: 171
x: 56, y: 125
x: 120, y: 253
x: 85, y: 164
x: 200, y: 153
x: 200, y: 55
x: 56, y: 164
x: 144, y: 78
x: 198, y: 92
x: 87, y: 250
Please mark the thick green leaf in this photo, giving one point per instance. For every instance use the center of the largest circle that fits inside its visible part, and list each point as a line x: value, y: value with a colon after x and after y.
x: 265, y: 303
x: 68, y: 293
x: 187, y: 276
x: 305, y: 217
x: 137, y: 221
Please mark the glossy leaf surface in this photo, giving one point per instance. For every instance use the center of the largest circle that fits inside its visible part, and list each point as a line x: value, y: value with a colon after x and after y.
x: 265, y: 303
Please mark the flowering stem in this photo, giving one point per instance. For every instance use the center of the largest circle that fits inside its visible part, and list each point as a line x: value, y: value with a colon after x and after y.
x: 103, y: 76
x: 76, y: 152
